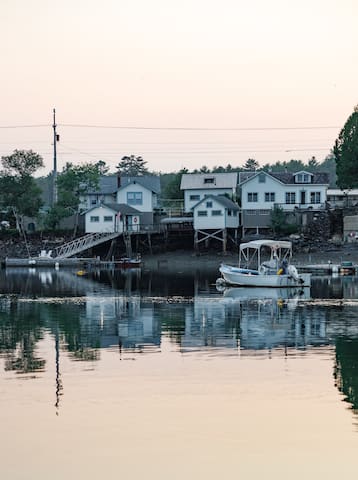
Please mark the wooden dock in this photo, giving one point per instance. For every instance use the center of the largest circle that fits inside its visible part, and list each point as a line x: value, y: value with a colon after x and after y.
x: 344, y: 268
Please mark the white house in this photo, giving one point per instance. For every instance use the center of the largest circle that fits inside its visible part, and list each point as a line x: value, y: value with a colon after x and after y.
x: 215, y: 216
x: 215, y: 212
x: 139, y: 194
x: 262, y: 191
x: 106, y: 192
x: 197, y: 186
x: 112, y: 217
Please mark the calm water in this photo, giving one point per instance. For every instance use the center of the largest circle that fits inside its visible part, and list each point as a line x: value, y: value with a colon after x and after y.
x: 138, y: 374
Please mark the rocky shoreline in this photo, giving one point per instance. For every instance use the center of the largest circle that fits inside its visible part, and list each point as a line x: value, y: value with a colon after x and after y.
x: 304, y: 253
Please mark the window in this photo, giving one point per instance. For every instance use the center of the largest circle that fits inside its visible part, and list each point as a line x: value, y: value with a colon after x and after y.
x: 216, y: 213
x: 209, y: 204
x: 94, y: 219
x: 229, y: 212
x: 264, y: 212
x: 93, y: 201
x: 251, y: 212
x: 209, y: 180
x: 290, y: 197
x: 303, y: 178
x: 269, y: 196
x: 315, y: 197
x: 134, y: 198
x: 108, y: 218
x: 252, y: 197
x: 262, y: 178
x: 202, y: 213
x: 193, y: 198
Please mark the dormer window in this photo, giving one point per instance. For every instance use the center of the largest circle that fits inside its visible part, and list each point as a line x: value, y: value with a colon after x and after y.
x: 209, y: 180
x: 303, y: 177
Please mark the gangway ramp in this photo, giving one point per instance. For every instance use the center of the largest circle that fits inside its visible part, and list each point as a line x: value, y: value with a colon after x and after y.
x: 82, y: 244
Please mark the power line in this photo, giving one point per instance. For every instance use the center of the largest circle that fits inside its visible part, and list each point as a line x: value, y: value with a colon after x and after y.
x: 24, y: 126
x: 209, y: 129
x: 203, y: 129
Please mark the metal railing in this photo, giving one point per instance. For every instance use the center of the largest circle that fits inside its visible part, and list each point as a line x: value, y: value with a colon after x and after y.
x: 83, y: 243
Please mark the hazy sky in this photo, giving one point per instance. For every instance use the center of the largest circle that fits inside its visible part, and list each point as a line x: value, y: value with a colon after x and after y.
x: 231, y: 64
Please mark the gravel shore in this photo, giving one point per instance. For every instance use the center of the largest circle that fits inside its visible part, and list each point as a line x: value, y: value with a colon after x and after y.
x: 189, y: 259
x: 184, y: 260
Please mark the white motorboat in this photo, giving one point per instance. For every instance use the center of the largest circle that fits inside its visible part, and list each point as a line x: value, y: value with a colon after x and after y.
x: 265, y: 263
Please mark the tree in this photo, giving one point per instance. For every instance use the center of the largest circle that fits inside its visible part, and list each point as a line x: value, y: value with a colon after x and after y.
x: 132, y: 166
x: 251, y: 164
x: 18, y: 190
x: 329, y: 165
x: 345, y: 151
x: 72, y: 184
x: 313, y: 164
x: 172, y: 189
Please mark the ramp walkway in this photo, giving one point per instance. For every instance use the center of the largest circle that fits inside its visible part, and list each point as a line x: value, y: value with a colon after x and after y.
x: 82, y: 244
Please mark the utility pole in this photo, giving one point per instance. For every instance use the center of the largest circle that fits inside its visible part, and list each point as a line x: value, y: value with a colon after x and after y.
x: 56, y: 138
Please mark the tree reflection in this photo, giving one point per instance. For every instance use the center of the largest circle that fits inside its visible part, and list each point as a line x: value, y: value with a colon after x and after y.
x: 346, y: 369
x: 21, y: 328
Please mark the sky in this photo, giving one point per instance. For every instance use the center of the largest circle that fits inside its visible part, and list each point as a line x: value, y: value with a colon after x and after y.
x: 182, y: 83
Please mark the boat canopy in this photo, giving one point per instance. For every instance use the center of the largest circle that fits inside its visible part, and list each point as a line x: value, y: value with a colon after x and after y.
x: 273, y: 244
x: 250, y: 254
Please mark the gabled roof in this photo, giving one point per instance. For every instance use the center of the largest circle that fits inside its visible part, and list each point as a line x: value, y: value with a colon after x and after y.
x: 287, y: 178
x: 107, y: 184
x: 191, y: 181
x: 150, y: 182
x: 116, y: 207
x: 222, y: 199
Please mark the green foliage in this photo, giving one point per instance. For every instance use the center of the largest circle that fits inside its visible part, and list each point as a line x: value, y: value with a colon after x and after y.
x: 346, y: 153
x: 19, y: 192
x: 132, y: 166
x: 329, y: 165
x: 73, y: 183
x: 172, y: 188
x: 22, y: 163
x: 278, y: 219
x: 292, y: 166
x: 251, y: 164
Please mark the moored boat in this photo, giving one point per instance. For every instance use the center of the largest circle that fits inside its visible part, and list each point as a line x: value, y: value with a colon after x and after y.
x: 265, y: 263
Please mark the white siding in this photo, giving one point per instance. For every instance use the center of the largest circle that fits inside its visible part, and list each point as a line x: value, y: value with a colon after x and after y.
x: 253, y: 186
x: 102, y: 226
x: 201, y: 193
x: 213, y: 222
x: 147, y: 197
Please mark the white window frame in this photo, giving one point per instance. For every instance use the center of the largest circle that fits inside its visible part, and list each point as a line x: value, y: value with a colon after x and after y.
x: 252, y: 197
x: 134, y: 198
x: 289, y: 196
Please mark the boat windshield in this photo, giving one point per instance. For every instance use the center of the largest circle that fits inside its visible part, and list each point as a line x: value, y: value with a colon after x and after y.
x: 253, y: 254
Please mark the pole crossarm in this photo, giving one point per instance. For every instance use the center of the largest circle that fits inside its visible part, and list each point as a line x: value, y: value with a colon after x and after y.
x: 83, y: 243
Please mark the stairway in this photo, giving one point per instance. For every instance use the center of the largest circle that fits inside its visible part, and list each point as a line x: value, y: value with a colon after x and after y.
x: 83, y: 243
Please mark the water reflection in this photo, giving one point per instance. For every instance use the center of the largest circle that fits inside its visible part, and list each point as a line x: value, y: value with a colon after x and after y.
x: 131, y: 312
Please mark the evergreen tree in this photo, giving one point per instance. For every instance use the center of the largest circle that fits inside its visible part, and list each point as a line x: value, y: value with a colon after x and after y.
x: 132, y: 166
x: 251, y: 164
x: 345, y: 151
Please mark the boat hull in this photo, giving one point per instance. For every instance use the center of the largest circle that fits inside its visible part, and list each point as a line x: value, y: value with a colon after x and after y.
x: 235, y: 276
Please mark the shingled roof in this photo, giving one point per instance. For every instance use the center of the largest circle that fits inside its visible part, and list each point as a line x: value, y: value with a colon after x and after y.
x: 287, y: 178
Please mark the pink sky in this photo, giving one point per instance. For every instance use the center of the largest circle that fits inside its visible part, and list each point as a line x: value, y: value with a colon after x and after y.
x: 231, y: 64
